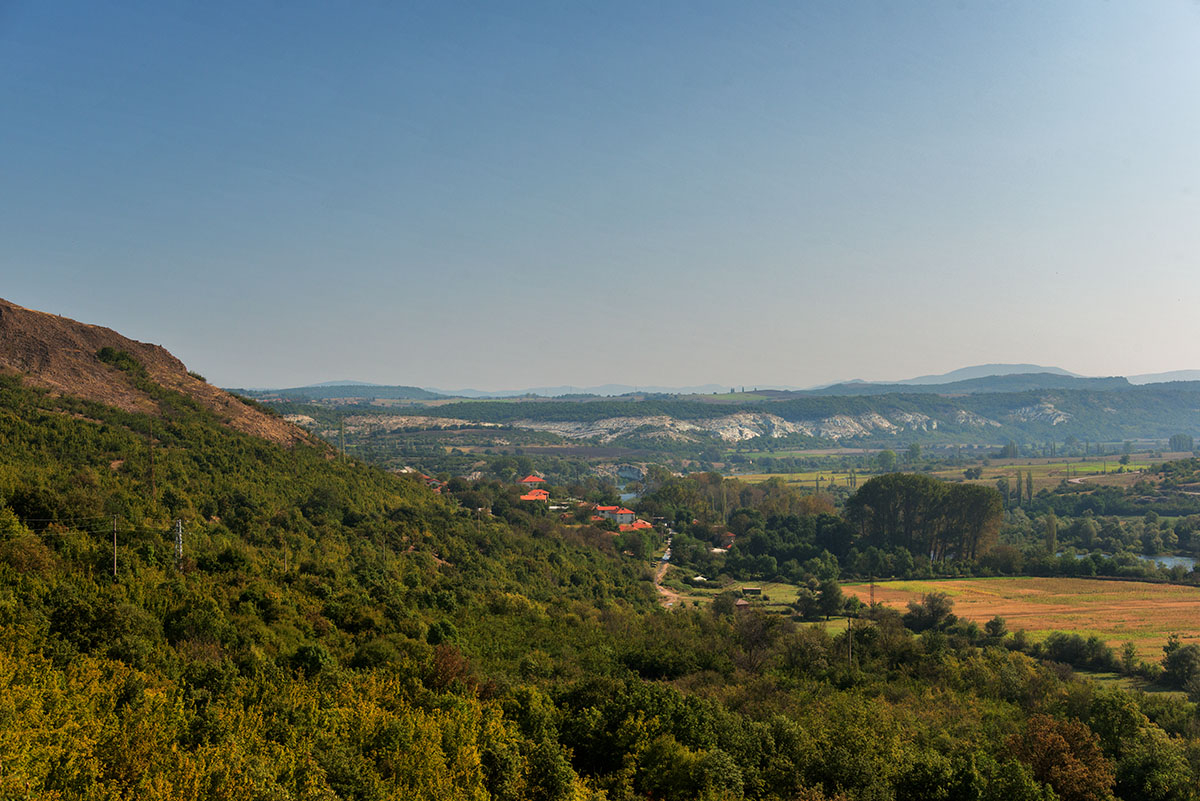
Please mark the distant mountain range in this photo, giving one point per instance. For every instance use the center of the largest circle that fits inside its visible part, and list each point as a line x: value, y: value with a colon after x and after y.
x: 977, y: 378
x: 1162, y: 378
x: 1021, y: 382
x: 602, y: 389
x: 333, y: 390
x: 982, y: 371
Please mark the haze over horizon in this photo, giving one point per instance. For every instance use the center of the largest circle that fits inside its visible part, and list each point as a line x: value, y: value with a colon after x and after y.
x: 454, y: 196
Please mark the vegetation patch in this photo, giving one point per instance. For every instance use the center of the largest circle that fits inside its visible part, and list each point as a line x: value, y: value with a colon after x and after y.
x: 122, y: 360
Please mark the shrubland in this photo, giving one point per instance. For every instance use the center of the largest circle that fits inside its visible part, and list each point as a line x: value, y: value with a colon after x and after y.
x: 335, y: 631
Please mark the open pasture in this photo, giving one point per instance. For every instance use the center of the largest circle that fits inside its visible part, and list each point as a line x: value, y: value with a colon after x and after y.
x: 1048, y: 474
x: 1115, y: 611
x: 807, y: 479
x: 774, y: 594
x: 807, y: 453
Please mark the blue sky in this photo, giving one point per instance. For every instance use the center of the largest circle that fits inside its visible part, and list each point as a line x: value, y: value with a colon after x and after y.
x: 506, y: 195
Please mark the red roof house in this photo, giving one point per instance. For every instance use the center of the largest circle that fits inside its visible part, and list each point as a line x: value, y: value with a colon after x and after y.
x: 617, y: 514
x: 532, y: 480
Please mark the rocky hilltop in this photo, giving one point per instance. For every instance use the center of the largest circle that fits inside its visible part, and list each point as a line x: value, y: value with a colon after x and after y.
x: 61, y: 355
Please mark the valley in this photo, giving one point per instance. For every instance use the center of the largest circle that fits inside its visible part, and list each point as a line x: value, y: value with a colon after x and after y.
x: 196, y: 603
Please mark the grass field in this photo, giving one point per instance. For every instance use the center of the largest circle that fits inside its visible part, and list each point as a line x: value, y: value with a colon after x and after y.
x: 806, y: 479
x: 774, y: 594
x: 1048, y: 473
x: 1116, y: 611
x: 807, y: 453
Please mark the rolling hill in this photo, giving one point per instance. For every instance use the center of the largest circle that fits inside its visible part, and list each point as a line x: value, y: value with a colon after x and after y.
x: 193, y: 607
x: 64, y: 356
x: 346, y: 392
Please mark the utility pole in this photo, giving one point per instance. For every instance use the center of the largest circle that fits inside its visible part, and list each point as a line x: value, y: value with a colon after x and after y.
x: 150, y: 447
x: 849, y: 645
x: 114, y: 546
x: 178, y: 541
x: 342, y: 436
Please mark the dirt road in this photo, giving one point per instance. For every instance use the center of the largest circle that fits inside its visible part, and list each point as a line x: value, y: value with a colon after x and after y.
x: 669, y: 597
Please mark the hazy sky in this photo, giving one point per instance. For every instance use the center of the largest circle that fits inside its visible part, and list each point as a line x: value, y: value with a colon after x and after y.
x: 512, y: 194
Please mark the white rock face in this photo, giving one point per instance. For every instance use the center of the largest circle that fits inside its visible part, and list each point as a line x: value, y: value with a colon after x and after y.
x: 1044, y: 412
x: 610, y: 428
x: 843, y: 425
x: 915, y: 421
x: 730, y: 428
x: 737, y: 427
x: 745, y: 425
x: 963, y: 417
x: 368, y: 422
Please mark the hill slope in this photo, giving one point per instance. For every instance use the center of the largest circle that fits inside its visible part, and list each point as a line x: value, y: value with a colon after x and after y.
x: 62, y: 355
x: 335, y: 632
x: 330, y: 632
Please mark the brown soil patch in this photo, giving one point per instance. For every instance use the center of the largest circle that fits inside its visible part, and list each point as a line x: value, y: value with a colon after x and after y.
x: 59, y: 354
x: 669, y: 597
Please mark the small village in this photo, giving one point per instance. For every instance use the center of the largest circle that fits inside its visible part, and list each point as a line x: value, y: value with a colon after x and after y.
x: 531, y: 489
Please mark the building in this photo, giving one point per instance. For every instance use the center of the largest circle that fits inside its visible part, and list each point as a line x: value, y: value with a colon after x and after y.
x: 532, y: 481
x: 536, y: 495
x: 618, y: 514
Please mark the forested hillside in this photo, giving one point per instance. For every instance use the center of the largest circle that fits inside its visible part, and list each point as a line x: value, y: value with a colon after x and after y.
x: 1154, y: 411
x: 334, y: 631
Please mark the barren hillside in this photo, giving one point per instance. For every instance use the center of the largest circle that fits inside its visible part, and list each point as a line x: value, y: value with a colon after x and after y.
x: 60, y: 354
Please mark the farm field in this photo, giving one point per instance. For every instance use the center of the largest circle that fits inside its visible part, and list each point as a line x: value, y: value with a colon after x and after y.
x: 774, y: 594
x: 807, y: 479
x: 1115, y: 611
x: 804, y: 453
x: 1048, y: 474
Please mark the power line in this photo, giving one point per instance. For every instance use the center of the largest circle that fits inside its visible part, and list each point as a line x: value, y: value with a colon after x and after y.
x: 101, y: 527
x: 60, y: 519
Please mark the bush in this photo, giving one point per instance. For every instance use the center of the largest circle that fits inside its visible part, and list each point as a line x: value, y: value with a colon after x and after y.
x: 122, y: 360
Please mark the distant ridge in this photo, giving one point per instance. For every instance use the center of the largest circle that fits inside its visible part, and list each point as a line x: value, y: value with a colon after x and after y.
x: 982, y: 371
x: 346, y: 383
x: 1161, y: 378
x: 975, y: 378
x: 602, y: 390
x: 1021, y: 382
x: 341, y: 389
